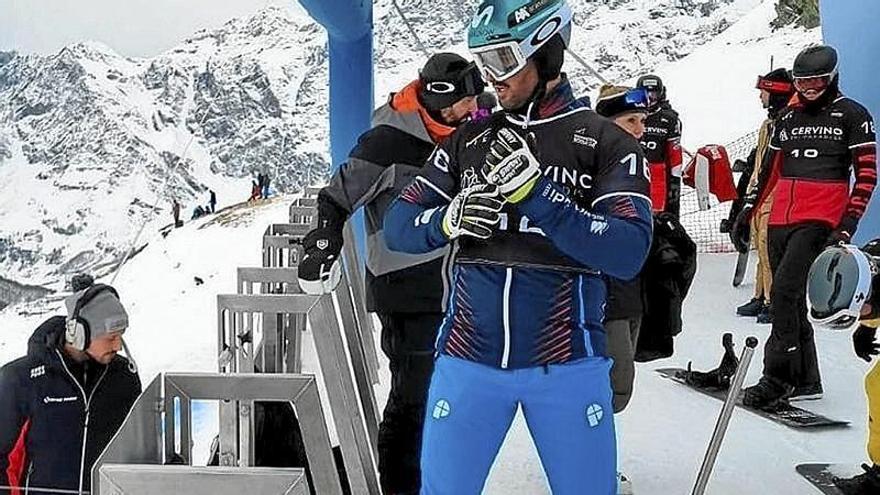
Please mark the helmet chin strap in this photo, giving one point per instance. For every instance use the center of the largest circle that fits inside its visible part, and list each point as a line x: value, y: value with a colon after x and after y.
x: 830, y: 93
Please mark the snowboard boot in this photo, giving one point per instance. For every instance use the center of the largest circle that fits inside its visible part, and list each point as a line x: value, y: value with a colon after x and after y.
x: 764, y: 317
x: 768, y: 394
x: 751, y: 308
x: 719, y: 377
x: 867, y: 483
x: 624, y: 486
x: 812, y: 391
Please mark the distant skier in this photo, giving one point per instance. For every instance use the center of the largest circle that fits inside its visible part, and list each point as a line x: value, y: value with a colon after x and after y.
x: 255, y: 191
x: 818, y: 142
x: 843, y: 293
x: 212, y: 201
x: 540, y: 202
x: 776, y: 91
x: 265, y: 187
x: 175, y: 211
x: 662, y: 145
x: 198, y: 212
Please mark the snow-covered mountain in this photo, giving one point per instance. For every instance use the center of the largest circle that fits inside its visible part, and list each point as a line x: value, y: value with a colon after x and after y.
x: 90, y: 140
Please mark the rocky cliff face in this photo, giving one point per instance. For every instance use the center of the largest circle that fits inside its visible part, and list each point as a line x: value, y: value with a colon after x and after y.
x: 93, y: 144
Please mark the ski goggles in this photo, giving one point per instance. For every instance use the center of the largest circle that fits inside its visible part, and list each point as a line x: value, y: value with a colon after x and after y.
x: 848, y: 317
x: 638, y: 97
x: 773, y: 86
x: 501, y: 61
x: 814, y: 83
x: 633, y: 100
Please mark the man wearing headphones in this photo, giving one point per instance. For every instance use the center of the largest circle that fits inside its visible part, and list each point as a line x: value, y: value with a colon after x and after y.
x: 63, y: 402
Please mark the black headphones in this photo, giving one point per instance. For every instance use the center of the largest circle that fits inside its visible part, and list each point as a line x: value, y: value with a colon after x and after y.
x: 78, y: 334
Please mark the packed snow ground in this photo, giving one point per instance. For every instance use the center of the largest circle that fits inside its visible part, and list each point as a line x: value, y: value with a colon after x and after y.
x: 662, y: 435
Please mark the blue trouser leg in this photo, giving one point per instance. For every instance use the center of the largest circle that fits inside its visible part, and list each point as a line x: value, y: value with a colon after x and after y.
x: 469, y: 410
x: 569, y: 411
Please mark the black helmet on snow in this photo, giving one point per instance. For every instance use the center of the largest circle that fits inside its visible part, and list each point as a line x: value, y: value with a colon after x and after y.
x: 838, y: 284
x: 654, y: 85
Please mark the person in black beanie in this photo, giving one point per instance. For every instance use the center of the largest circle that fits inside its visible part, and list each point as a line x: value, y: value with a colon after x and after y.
x: 405, y: 290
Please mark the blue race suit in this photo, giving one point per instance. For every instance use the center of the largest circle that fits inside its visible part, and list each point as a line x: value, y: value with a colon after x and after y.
x: 525, y: 308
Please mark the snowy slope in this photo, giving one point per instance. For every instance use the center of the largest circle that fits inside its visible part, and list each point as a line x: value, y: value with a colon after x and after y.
x: 90, y: 141
x: 713, y: 89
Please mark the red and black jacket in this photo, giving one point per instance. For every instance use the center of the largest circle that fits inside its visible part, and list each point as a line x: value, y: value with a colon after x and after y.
x: 814, y: 151
x: 56, y: 415
x: 662, y: 145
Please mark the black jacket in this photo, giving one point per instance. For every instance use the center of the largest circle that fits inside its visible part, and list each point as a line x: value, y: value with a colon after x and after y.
x: 667, y: 275
x: 62, y: 410
x: 386, y: 158
x: 626, y: 299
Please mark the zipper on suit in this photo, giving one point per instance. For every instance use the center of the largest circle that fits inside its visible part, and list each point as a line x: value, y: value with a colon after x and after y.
x: 87, y: 402
x: 505, y: 302
x: 27, y: 480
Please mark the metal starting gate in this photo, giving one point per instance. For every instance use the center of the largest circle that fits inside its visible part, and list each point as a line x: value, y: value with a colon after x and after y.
x: 260, y: 334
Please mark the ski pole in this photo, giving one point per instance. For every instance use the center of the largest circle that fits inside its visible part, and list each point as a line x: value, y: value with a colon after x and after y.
x: 724, y: 417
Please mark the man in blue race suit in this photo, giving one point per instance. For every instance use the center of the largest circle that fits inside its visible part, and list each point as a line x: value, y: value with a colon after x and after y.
x: 541, y: 203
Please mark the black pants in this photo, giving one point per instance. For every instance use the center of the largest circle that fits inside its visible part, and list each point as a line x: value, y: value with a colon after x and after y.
x: 790, y: 352
x: 408, y: 341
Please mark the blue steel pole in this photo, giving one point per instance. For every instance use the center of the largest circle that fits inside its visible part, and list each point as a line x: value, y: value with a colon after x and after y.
x: 349, y: 25
x: 351, y: 104
x: 851, y: 27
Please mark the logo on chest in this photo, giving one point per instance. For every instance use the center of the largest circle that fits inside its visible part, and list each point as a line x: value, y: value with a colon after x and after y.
x: 816, y: 132
x: 568, y: 177
x: 580, y: 137
x: 38, y: 371
x: 59, y: 400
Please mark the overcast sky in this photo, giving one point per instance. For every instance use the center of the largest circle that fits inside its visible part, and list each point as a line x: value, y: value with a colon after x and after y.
x: 136, y: 28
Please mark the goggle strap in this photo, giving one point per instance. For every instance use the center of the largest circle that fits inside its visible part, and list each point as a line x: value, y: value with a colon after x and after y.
x: 774, y: 86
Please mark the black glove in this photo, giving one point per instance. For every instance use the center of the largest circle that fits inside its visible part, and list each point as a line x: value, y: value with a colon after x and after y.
x: 725, y: 226
x: 739, y: 166
x: 864, y: 342
x: 320, y: 270
x: 741, y: 231
x: 844, y: 231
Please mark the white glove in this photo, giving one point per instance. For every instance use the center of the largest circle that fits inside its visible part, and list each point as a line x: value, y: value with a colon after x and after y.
x: 511, y: 166
x: 473, y: 212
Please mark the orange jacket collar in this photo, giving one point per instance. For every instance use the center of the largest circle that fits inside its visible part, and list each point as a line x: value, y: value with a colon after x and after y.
x: 407, y: 100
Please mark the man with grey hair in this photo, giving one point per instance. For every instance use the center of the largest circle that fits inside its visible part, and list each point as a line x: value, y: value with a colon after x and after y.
x: 64, y: 401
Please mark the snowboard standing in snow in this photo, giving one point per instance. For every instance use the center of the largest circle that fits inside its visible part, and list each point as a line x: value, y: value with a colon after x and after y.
x: 822, y: 475
x: 786, y: 414
x: 716, y: 382
x: 739, y: 273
